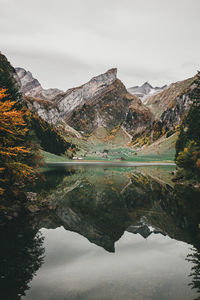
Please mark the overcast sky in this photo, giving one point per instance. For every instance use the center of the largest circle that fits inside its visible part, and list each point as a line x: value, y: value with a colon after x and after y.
x: 66, y: 42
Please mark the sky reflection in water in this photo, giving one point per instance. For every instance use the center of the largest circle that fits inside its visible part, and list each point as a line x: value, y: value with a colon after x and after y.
x: 122, y: 233
x: 139, y: 269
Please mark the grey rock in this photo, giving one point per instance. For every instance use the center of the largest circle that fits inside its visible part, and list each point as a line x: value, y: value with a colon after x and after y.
x: 145, y: 90
x: 60, y: 106
x: 31, y: 86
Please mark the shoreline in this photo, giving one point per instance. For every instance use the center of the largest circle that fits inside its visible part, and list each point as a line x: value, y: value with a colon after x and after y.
x: 108, y: 164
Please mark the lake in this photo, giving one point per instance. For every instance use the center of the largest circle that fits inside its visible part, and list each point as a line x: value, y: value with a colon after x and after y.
x: 110, y: 232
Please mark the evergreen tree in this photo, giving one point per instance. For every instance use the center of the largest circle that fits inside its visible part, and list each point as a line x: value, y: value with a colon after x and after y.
x: 188, y: 143
x: 181, y: 142
x: 8, y: 80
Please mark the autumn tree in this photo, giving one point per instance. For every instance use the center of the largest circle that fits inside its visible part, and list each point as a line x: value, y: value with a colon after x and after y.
x: 16, y: 156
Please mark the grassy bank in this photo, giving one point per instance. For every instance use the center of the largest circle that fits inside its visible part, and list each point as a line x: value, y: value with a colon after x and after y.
x: 49, y: 157
x: 163, y: 150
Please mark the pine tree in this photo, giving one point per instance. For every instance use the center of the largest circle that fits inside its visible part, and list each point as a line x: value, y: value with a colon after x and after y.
x: 188, y: 143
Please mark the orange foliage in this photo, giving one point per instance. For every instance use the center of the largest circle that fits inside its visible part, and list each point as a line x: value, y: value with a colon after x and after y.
x: 198, y: 163
x: 2, y: 93
x: 13, y: 151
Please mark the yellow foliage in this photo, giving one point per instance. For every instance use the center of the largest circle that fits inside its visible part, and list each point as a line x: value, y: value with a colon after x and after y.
x: 13, y: 151
x: 111, y: 137
x: 114, y: 130
x: 1, y: 191
x: 198, y: 163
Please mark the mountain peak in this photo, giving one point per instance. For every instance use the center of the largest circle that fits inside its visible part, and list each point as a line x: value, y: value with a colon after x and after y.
x: 31, y: 86
x: 147, y: 84
x: 145, y: 90
x: 113, y: 70
x: 106, y: 78
x: 27, y: 79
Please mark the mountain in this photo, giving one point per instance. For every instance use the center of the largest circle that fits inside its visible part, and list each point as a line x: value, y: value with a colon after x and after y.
x: 16, y: 82
x: 145, y: 90
x: 171, y: 106
x: 169, y: 109
x: 102, y: 114
x: 112, y: 108
x: 31, y: 86
x: 104, y: 111
x: 101, y: 102
x: 169, y: 97
x: 63, y: 104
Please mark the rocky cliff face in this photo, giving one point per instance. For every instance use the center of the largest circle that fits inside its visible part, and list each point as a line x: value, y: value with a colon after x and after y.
x: 173, y: 116
x: 168, y: 98
x: 170, y: 106
x: 102, y: 102
x: 112, y: 108
x: 31, y: 86
x: 63, y: 104
x: 85, y: 94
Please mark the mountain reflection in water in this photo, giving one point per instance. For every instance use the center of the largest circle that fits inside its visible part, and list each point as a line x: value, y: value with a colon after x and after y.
x: 148, y: 227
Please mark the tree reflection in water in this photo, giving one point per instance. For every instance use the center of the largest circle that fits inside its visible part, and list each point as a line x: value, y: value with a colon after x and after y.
x: 21, y: 255
x: 99, y: 205
x: 194, y: 258
x: 188, y: 198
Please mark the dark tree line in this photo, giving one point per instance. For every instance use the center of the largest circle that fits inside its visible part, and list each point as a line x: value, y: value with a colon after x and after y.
x: 49, y: 137
x: 188, y: 143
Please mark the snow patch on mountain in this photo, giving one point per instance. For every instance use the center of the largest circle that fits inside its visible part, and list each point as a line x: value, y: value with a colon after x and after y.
x: 145, y: 90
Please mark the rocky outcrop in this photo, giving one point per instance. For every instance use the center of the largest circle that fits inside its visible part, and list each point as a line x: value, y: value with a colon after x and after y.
x: 62, y: 105
x: 31, y: 86
x: 103, y: 101
x: 169, y: 97
x: 112, y: 108
x: 138, y: 118
x: 173, y: 116
x: 172, y: 105
x: 85, y: 94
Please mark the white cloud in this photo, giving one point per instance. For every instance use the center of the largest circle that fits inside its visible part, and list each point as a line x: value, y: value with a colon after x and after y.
x: 146, y: 40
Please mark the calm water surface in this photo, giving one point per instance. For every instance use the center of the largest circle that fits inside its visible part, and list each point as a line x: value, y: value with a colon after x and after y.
x: 111, y: 233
